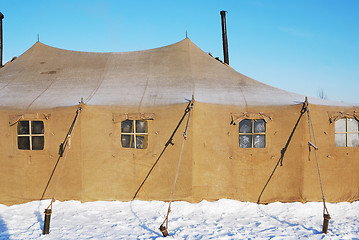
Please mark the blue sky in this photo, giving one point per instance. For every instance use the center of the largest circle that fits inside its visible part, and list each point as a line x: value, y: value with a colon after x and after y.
x: 301, y: 46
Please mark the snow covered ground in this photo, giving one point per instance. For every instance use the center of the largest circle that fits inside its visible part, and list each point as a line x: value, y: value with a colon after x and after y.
x: 223, y: 219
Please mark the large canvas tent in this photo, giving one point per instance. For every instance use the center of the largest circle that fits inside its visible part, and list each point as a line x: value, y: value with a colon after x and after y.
x: 238, y: 130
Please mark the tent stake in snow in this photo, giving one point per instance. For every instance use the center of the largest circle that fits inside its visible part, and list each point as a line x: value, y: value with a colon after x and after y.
x: 326, y: 223
x: 164, y: 231
x: 47, y: 212
x: 46, y: 229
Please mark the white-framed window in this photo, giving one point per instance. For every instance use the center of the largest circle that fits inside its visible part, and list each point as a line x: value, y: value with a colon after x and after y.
x: 252, y: 133
x: 347, y: 132
x: 134, y: 134
x: 30, y: 135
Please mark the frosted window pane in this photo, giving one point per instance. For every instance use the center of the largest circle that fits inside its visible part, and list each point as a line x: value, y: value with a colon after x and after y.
x: 23, y: 143
x: 133, y: 142
x: 340, y: 140
x: 140, y: 126
x: 37, y: 127
x: 125, y: 141
x: 245, y: 141
x: 140, y: 142
x: 259, y: 141
x: 245, y: 126
x: 23, y: 127
x: 259, y: 126
x: 341, y: 125
x: 37, y: 143
x: 353, y: 140
x: 353, y: 125
x: 126, y: 126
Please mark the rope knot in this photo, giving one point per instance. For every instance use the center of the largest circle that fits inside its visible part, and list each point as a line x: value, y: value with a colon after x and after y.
x: 61, y: 149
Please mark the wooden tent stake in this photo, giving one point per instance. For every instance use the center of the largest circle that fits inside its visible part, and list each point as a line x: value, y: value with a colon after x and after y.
x: 47, y: 212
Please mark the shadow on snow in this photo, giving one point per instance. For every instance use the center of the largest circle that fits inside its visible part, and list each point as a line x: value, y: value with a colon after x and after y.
x: 4, y: 234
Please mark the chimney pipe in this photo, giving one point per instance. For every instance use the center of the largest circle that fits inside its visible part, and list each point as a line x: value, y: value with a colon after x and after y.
x: 224, y: 37
x: 1, y: 18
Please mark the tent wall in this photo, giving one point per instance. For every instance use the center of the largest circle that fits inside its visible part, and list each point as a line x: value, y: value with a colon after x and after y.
x: 240, y: 173
x: 213, y: 166
x: 223, y: 170
x: 339, y: 165
x: 111, y: 172
x: 25, y: 173
x: 96, y: 166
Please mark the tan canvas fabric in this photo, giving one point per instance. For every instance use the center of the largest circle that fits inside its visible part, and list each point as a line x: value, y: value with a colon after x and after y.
x: 46, y: 84
x: 47, y: 77
x: 213, y: 165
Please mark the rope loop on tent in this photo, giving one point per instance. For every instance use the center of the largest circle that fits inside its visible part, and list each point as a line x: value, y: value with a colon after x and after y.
x: 282, y: 152
x: 50, y: 205
x: 170, y: 141
x: 164, y: 226
x: 63, y: 145
x: 305, y: 107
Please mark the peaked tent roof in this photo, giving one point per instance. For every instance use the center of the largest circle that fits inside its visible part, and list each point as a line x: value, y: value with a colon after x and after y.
x: 48, y: 77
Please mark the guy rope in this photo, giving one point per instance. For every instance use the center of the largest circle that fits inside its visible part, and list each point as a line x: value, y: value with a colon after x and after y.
x: 66, y: 143
x: 282, y: 152
x: 187, y: 110
x: 311, y: 144
x: 326, y: 214
x: 164, y: 226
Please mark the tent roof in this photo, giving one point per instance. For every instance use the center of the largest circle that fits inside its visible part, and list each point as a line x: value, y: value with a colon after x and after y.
x: 48, y: 77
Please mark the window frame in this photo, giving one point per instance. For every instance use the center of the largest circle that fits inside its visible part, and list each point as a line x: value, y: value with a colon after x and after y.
x: 347, y: 132
x: 30, y: 135
x: 134, y: 134
x: 252, y: 134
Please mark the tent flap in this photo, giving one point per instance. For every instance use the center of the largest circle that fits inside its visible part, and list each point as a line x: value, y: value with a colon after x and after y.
x: 13, y: 119
x: 119, y: 117
x: 336, y: 116
x: 237, y: 117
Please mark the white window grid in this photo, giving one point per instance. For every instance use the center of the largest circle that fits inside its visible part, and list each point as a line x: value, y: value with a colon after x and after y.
x: 133, y: 133
x: 30, y: 135
x: 252, y: 133
x: 347, y: 132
